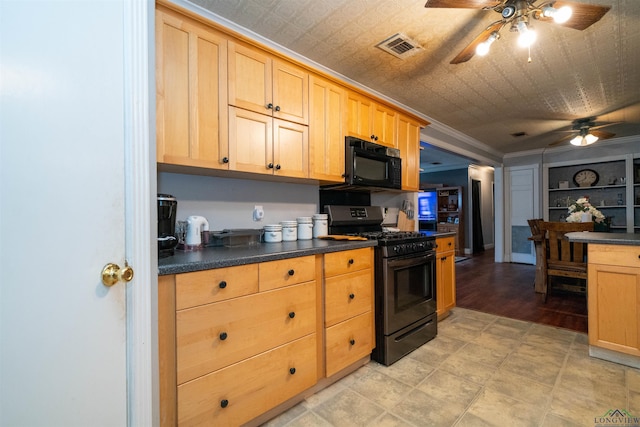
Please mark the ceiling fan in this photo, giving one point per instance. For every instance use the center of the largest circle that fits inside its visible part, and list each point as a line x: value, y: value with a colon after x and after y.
x: 518, y: 15
x: 588, y: 132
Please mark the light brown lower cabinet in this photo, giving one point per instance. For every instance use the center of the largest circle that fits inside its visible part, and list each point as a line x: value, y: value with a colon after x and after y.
x: 613, y: 294
x: 445, y: 275
x: 237, y: 342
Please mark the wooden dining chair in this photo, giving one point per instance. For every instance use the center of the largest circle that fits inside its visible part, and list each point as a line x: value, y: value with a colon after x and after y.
x: 561, y: 257
x: 536, y: 238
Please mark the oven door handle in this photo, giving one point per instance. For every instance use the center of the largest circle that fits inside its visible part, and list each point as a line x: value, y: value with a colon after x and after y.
x: 410, y: 260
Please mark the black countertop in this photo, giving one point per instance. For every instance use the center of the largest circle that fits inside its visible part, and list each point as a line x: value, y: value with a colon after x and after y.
x: 217, y: 257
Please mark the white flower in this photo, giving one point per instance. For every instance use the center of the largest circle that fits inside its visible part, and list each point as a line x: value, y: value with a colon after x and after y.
x: 581, y: 206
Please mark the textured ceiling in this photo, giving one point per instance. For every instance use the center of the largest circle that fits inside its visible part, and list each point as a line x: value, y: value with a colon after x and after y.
x: 573, y: 74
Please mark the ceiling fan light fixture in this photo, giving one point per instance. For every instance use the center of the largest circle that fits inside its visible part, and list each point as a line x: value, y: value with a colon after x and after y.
x: 560, y: 16
x: 582, y: 140
x: 483, y: 48
x: 527, y: 36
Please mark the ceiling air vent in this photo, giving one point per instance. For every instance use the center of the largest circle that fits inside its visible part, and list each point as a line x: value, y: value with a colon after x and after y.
x: 400, y: 46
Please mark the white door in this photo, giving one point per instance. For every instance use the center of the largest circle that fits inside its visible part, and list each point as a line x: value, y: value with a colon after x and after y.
x: 62, y: 218
x: 523, y: 205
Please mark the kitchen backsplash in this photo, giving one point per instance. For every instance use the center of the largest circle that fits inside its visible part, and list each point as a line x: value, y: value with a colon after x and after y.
x: 228, y: 203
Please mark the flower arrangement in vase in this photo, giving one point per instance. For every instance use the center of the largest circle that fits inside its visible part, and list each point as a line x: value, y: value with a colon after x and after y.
x: 582, y: 211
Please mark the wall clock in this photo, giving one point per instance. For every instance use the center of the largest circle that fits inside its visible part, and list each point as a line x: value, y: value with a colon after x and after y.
x: 586, y: 178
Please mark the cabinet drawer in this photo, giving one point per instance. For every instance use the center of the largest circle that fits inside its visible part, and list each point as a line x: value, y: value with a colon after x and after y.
x: 204, y: 287
x: 348, y: 295
x: 445, y: 244
x: 349, y: 341
x: 286, y: 272
x: 347, y: 261
x: 250, y: 387
x: 618, y: 255
x: 215, y: 335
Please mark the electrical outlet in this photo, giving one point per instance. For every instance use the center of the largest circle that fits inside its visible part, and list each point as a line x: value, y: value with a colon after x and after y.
x: 258, y: 213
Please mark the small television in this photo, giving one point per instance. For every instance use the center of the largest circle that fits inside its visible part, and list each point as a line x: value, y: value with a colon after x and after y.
x: 427, y: 210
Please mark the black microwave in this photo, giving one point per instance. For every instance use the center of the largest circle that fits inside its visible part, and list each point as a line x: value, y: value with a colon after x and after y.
x: 372, y: 165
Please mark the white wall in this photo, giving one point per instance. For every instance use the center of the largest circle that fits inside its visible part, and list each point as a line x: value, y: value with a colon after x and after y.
x: 228, y: 203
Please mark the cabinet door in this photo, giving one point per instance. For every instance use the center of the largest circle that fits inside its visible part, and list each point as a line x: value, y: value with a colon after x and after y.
x: 250, y: 141
x: 290, y: 149
x: 614, y: 307
x: 290, y: 92
x: 326, y: 136
x: 385, y: 126
x: 409, y: 145
x: 191, y: 91
x: 250, y: 78
x: 359, y: 116
x: 446, y: 291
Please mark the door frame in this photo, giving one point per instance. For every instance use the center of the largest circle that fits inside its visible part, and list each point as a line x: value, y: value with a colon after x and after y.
x: 140, y: 213
x: 508, y: 254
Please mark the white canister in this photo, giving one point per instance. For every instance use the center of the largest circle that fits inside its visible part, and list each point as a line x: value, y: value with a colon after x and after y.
x: 273, y: 233
x: 289, y: 231
x: 320, y: 225
x: 305, y: 228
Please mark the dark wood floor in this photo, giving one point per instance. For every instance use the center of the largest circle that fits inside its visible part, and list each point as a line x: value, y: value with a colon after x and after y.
x: 506, y: 289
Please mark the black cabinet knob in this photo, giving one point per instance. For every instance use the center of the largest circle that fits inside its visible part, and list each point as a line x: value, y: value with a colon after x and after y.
x: 270, y: 106
x: 291, y: 272
x: 373, y: 137
x: 292, y: 371
x: 352, y: 341
x: 351, y: 261
x: 224, y: 403
x: 278, y: 167
x: 352, y: 296
x: 292, y: 314
x: 223, y: 336
x: 270, y: 166
x: 444, y: 258
x: 277, y: 108
x: 225, y: 160
x: 222, y: 284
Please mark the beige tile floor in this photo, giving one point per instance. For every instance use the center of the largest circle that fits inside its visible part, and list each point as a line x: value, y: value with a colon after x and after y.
x: 481, y: 370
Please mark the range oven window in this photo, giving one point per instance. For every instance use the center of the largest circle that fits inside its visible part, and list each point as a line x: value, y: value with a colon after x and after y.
x: 412, y: 286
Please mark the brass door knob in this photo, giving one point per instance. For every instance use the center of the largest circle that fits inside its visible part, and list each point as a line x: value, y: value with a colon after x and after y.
x: 112, y: 273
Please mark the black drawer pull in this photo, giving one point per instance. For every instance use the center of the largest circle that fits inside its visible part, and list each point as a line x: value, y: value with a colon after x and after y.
x: 223, y: 336
x: 292, y: 314
x: 292, y: 371
x: 291, y: 272
x: 352, y: 341
x: 225, y: 160
x: 351, y: 261
x: 224, y: 403
x: 222, y: 284
x: 352, y: 296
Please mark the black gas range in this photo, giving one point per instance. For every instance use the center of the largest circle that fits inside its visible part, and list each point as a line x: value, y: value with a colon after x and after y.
x: 405, y: 280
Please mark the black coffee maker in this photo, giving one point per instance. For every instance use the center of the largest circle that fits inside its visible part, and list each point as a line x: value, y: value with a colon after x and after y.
x: 167, y: 239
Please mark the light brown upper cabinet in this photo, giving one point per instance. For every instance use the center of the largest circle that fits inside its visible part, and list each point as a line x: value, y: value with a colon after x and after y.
x: 268, y: 114
x: 191, y: 92
x: 409, y: 145
x: 326, y: 135
x: 267, y: 85
x: 370, y: 121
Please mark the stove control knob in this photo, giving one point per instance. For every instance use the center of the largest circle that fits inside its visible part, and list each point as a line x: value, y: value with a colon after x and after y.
x: 398, y: 249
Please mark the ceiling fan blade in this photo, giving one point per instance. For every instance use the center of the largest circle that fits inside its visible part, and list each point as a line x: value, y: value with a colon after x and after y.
x: 468, y: 52
x: 601, y: 134
x: 584, y: 15
x: 604, y: 125
x: 464, y: 4
x: 563, y: 140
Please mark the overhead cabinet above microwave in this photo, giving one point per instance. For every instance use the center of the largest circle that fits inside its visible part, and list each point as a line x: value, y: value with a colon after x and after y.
x: 228, y: 107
